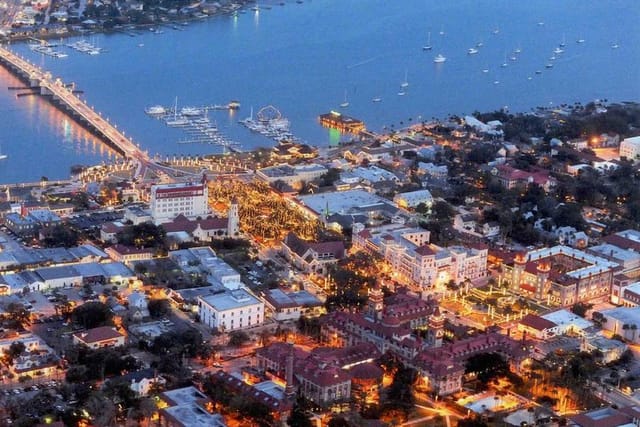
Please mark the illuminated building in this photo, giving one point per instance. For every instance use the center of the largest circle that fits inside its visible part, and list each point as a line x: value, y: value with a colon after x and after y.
x: 346, y: 124
x: 630, y: 148
x: 188, y: 407
x: 410, y: 256
x: 231, y: 310
x: 312, y: 257
x: 101, y: 337
x: 170, y: 200
x: 559, y: 275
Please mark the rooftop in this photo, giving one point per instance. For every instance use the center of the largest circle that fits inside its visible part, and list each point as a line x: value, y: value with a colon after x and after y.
x: 230, y: 300
x: 344, y: 202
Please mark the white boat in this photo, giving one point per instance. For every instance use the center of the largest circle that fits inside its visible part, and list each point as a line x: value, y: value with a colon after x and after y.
x: 190, y: 111
x: 540, y: 24
x: 2, y: 155
x: 345, y: 104
x: 552, y: 58
x: 156, y: 110
x: 486, y: 70
x: 428, y: 45
x: 402, y: 93
x: 513, y: 58
x: 442, y: 30
x: 376, y: 99
x: 517, y: 50
x: 496, y: 82
x: 549, y: 65
x: 405, y: 83
x: 495, y: 31
x: 439, y: 59
x: 538, y: 71
x: 479, y: 44
x: 558, y: 51
x: 615, y: 46
x: 472, y: 51
x: 178, y: 122
x: 580, y: 41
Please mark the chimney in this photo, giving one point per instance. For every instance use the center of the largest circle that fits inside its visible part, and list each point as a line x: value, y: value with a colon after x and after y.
x: 289, y: 391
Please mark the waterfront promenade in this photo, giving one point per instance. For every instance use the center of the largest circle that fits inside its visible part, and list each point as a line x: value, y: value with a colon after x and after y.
x: 63, y: 95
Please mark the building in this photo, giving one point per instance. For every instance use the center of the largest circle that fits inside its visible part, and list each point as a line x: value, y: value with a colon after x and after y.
x: 136, y: 215
x: 630, y: 148
x: 325, y: 376
x: 128, y: 254
x: 101, y: 337
x: 350, y: 202
x: 170, y: 200
x: 37, y: 359
x: 141, y: 382
x: 510, y: 177
x: 335, y: 120
x: 433, y: 170
x: 569, y: 236
x: 110, y: 230
x: 610, y: 349
x: 203, y: 260
x: 559, y: 275
x: 412, y: 199
x: 23, y: 226
x: 537, y: 327
x: 626, y: 416
x: 442, y: 368
x: 291, y: 175
x: 623, y: 321
x: 312, y: 257
x: 284, y: 306
x: 231, y: 310
x: 188, y: 407
x: 414, y: 260
x: 200, y: 229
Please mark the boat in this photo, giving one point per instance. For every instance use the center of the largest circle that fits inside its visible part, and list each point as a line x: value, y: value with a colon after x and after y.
x: 579, y: 41
x: 402, y: 93
x: 517, y: 50
x: 2, y: 155
x: 538, y: 71
x: 439, y: 59
x: 540, y: 24
x: 552, y: 58
x: 405, y: 83
x: 376, y: 99
x: 428, y: 45
x: 496, y: 82
x: 345, y: 104
x: 495, y: 31
x: 479, y: 44
x: 549, y: 65
x: 156, y: 110
x: 472, y: 51
x: 513, y: 58
x: 486, y: 70
x: 504, y: 64
x: 529, y: 78
x: 140, y: 44
x: 442, y: 30
x: 615, y: 46
x: 190, y: 111
x: 558, y: 51
x: 563, y: 43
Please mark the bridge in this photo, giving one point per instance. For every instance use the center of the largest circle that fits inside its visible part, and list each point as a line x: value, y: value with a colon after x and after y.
x: 63, y: 96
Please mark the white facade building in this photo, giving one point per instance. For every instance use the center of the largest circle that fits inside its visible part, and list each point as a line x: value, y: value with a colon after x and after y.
x: 170, y: 200
x: 630, y: 148
x: 408, y: 252
x: 412, y: 199
x: 231, y: 310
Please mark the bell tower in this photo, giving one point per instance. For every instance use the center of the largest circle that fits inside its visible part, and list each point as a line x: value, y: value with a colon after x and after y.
x: 435, y: 333
x: 375, y: 304
x: 233, y: 219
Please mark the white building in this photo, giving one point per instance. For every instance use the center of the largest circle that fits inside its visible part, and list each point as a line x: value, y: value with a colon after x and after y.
x: 231, y: 310
x: 412, y: 199
x: 291, y: 175
x: 412, y: 258
x: 630, y: 148
x: 170, y: 200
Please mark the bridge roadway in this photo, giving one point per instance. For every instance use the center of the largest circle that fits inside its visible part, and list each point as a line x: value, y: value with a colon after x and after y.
x: 64, y: 95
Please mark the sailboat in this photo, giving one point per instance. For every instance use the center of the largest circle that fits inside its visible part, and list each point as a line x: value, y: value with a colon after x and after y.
x: 177, y: 121
x: 405, y: 83
x: 428, y: 45
x: 563, y: 43
x: 2, y: 155
x: 439, y: 59
x: 376, y: 99
x: 345, y: 104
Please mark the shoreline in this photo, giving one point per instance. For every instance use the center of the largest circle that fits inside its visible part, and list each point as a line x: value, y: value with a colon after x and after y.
x: 121, y: 28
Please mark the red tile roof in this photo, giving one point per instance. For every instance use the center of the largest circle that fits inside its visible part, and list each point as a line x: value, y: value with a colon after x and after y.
x: 536, y: 322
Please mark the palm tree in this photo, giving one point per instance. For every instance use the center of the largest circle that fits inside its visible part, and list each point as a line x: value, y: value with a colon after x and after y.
x: 634, y: 328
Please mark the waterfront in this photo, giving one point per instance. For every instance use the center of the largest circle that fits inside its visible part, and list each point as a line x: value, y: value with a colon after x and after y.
x: 302, y: 58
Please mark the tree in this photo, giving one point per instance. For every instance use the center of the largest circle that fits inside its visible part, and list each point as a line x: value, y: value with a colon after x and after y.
x: 487, y: 366
x: 18, y: 313
x: 400, y: 393
x: 238, y: 338
x: 299, y: 417
x: 159, y: 307
x: 145, y: 235
x: 60, y: 235
x: 92, y: 314
x: 14, y: 351
x: 580, y: 308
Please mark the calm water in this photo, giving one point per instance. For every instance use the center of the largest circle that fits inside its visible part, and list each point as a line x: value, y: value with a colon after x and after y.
x: 304, y: 58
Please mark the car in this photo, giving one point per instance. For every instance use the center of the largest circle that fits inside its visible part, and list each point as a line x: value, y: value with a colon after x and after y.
x: 217, y: 365
x: 17, y: 391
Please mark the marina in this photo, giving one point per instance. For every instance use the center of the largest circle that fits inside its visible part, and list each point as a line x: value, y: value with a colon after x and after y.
x: 270, y: 123
x: 195, y: 122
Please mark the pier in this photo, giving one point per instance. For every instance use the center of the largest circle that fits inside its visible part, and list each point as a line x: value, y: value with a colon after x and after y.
x: 64, y: 96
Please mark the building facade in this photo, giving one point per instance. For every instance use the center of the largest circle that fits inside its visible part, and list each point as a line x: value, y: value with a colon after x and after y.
x: 231, y: 310
x: 170, y: 200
